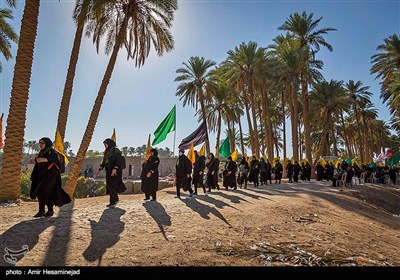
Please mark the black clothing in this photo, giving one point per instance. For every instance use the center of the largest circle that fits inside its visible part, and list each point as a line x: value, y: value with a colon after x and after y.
x: 243, y: 171
x: 113, y: 160
x: 229, y: 180
x: 212, y: 173
x: 254, y: 172
x: 278, y: 172
x: 198, y: 168
x: 289, y: 171
x: 150, y: 184
x: 183, y: 171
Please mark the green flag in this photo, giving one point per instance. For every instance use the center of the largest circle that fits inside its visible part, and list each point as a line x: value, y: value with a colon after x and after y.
x: 166, y: 126
x: 393, y: 160
x: 224, y: 150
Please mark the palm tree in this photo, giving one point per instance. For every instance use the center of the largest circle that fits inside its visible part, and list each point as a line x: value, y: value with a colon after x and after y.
x: 359, y: 97
x: 7, y: 34
x: 196, y: 78
x: 135, y: 25
x: 82, y: 8
x: 386, y: 65
x: 15, y: 129
x: 328, y: 100
x: 304, y: 29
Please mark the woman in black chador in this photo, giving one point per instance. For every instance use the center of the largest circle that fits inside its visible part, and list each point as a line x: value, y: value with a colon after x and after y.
x: 229, y: 174
x: 150, y: 175
x: 212, y: 165
x: 198, y: 172
x: 113, y: 163
x: 46, y: 180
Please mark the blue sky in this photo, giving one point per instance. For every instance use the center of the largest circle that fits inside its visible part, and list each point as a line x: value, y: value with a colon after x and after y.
x: 137, y: 100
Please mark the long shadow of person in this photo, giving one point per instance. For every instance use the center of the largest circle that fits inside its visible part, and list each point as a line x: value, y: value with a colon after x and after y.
x: 218, y: 203
x: 21, y: 238
x: 58, y: 247
x: 254, y: 196
x: 105, y: 234
x: 158, y: 213
x: 204, y: 210
x: 232, y: 198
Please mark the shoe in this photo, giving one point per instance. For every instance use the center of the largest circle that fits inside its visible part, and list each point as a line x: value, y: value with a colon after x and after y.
x: 153, y: 199
x: 39, y: 214
x: 177, y: 196
x: 112, y: 205
x: 49, y: 214
x: 191, y: 194
x: 146, y: 199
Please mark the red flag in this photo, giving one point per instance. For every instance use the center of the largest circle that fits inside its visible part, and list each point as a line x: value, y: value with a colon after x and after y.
x: 389, y: 153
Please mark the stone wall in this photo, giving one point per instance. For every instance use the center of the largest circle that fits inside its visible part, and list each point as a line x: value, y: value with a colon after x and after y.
x: 132, y: 170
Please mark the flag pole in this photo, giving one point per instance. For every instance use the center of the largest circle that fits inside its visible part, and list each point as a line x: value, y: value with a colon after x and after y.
x: 173, y: 149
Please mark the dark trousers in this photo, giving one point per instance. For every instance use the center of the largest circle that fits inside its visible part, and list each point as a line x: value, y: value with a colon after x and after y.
x: 198, y: 181
x: 113, y: 195
x: 42, y: 204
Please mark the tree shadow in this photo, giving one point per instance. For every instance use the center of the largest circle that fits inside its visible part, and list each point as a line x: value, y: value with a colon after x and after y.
x: 218, y: 203
x: 232, y: 198
x: 254, y: 196
x: 58, y: 247
x: 105, y: 234
x: 18, y: 239
x: 204, y: 210
x: 159, y: 215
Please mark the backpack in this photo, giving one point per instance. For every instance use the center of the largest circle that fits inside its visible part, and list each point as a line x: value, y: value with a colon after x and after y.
x: 61, y: 158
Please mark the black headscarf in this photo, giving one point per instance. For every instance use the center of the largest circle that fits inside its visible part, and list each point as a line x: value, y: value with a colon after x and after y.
x: 155, y: 152
x: 111, y: 144
x: 48, y: 146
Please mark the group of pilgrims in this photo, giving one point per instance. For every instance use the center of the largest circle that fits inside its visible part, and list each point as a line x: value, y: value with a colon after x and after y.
x: 203, y: 173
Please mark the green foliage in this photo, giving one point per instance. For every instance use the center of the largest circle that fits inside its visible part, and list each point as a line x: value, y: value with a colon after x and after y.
x: 88, y: 187
x: 25, y: 185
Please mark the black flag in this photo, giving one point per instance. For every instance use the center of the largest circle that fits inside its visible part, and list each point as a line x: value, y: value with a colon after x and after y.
x: 197, y: 137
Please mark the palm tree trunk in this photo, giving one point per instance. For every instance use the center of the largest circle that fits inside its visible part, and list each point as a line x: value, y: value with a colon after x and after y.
x: 218, y: 134
x: 254, y: 115
x: 284, y: 125
x: 203, y: 111
x: 251, y: 133
x: 345, y: 137
x: 15, y: 129
x: 335, y: 149
x: 87, y: 136
x: 360, y: 141
x: 295, y: 138
x: 241, y: 135
x: 231, y: 136
x: 69, y: 82
x: 300, y: 140
x: 306, y: 118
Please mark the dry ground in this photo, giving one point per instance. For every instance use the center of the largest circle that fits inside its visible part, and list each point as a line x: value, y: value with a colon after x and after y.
x: 303, y: 224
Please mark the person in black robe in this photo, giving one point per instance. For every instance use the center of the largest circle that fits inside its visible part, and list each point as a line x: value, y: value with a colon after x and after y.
x: 254, y: 171
x: 308, y: 171
x: 393, y: 174
x: 278, y: 171
x: 229, y: 174
x: 320, y: 171
x: 212, y: 165
x: 183, y: 172
x: 243, y: 172
x: 112, y: 163
x: 46, y: 180
x: 289, y: 171
x: 303, y: 172
x: 198, y: 172
x: 263, y: 172
x: 296, y: 171
x: 149, y: 176
x: 268, y: 176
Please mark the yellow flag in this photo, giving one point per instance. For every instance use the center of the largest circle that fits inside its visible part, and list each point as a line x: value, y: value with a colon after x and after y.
x: 191, y: 155
x: 217, y: 154
x: 274, y: 161
x: 202, y: 151
x: 114, y: 136
x: 146, y: 157
x: 292, y: 160
x: 59, y: 146
x: 1, y: 131
x: 337, y: 163
x: 234, y: 155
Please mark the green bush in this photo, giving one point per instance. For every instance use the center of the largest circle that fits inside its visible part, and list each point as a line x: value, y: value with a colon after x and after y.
x: 88, y: 187
x: 25, y: 185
